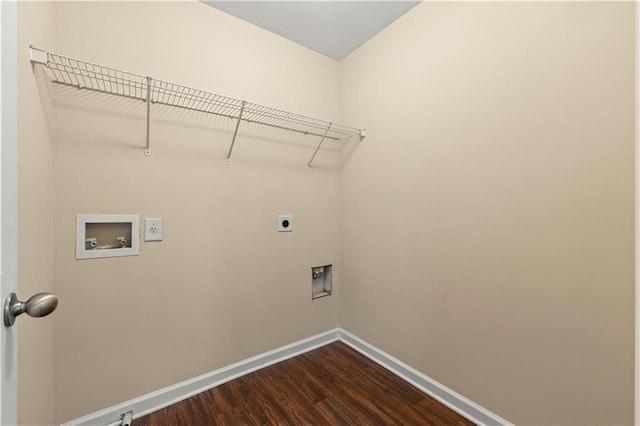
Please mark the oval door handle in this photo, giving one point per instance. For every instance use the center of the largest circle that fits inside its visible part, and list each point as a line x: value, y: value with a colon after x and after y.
x: 38, y: 305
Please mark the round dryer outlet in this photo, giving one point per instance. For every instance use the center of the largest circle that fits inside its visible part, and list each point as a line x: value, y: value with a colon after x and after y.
x: 285, y: 223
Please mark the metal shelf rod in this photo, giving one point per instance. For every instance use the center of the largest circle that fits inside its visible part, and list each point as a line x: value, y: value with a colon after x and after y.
x: 246, y: 120
x: 143, y: 99
x: 102, y: 79
x: 76, y: 86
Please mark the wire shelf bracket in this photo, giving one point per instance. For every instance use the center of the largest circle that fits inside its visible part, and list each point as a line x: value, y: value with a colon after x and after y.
x: 81, y: 74
x: 319, y: 145
x: 235, y: 132
x: 148, y: 148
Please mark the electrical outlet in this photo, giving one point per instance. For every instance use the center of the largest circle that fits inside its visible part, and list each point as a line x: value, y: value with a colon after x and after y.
x: 285, y: 223
x: 152, y: 229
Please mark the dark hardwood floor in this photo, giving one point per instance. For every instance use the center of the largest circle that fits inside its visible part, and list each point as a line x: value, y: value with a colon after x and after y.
x: 332, y: 385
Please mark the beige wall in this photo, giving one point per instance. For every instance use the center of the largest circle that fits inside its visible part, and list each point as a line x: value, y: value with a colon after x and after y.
x: 486, y: 221
x: 35, y: 221
x: 223, y: 285
x: 488, y: 218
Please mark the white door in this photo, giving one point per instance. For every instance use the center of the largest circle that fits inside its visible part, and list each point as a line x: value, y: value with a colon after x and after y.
x: 8, y: 206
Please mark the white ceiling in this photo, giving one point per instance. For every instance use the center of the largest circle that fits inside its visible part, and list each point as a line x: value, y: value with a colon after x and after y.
x: 332, y: 28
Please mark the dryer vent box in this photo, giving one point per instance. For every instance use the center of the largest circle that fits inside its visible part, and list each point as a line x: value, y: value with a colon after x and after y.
x: 321, y: 281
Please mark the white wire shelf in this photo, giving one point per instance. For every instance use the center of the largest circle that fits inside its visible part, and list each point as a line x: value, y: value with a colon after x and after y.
x: 99, y: 78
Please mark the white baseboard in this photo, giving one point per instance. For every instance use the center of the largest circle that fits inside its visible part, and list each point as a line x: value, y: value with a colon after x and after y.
x: 154, y: 401
x: 458, y: 403
x: 159, y: 399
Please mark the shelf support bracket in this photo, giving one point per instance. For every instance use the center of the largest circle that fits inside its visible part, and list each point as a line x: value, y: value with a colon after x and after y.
x: 148, y: 149
x: 319, y: 145
x: 235, y: 132
x: 38, y: 56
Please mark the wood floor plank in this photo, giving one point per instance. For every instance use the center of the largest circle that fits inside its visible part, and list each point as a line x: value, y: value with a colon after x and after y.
x: 331, y: 385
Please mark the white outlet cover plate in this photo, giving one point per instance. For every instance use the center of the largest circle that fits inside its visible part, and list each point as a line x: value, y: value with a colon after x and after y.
x: 285, y: 223
x: 152, y: 229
